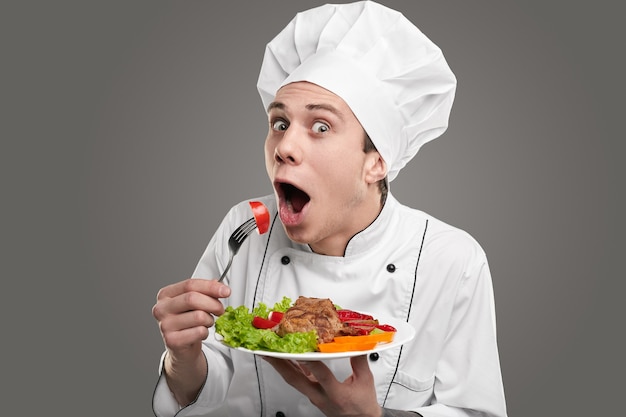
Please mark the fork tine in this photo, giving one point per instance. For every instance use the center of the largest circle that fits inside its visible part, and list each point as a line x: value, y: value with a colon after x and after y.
x: 244, y: 230
x: 236, y: 240
x: 250, y: 229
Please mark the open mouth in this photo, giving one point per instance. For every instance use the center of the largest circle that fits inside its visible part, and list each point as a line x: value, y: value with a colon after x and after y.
x: 294, y: 197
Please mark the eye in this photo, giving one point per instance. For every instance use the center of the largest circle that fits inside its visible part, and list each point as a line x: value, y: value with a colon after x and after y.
x: 320, y: 127
x: 279, y: 125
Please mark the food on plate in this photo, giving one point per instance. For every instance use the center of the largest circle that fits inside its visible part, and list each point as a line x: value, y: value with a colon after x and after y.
x: 309, y: 325
x: 318, y: 314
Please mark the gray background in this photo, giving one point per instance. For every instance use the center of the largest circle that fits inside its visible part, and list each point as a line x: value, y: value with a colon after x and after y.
x: 129, y: 128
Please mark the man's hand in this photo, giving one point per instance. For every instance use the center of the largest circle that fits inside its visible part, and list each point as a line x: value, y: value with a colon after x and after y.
x: 354, y: 396
x: 185, y: 310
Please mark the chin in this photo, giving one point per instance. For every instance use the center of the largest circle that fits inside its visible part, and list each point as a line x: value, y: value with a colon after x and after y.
x: 296, y: 234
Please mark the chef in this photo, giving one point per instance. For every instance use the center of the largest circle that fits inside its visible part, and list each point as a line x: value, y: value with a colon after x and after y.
x: 352, y: 91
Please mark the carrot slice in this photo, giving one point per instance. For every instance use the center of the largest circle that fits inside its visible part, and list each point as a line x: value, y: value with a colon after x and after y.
x: 383, y: 337
x: 332, y: 347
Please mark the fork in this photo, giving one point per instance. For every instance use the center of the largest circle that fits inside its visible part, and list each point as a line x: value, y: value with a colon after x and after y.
x: 236, y: 240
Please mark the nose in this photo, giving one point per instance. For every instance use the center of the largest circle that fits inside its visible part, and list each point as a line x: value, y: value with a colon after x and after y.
x: 288, y: 150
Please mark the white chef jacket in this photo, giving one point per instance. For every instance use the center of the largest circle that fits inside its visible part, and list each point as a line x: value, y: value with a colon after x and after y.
x: 406, y: 265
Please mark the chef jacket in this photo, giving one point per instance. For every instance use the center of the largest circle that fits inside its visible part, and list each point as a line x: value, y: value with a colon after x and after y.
x: 406, y: 266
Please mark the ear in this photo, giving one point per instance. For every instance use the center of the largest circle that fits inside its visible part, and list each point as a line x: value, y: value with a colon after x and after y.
x: 375, y: 167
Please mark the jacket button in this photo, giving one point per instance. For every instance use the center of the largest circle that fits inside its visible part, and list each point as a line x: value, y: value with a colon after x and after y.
x: 285, y: 260
x: 280, y: 414
x: 374, y: 356
x: 391, y: 268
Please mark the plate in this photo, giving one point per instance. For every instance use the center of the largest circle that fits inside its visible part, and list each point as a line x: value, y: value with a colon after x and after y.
x: 405, y: 332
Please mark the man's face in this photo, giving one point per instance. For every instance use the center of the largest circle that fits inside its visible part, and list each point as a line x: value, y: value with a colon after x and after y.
x: 324, y: 182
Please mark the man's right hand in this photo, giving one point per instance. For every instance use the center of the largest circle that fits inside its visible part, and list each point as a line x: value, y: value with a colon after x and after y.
x: 185, y: 311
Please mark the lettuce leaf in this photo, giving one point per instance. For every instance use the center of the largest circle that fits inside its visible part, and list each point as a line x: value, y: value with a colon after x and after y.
x: 235, y: 326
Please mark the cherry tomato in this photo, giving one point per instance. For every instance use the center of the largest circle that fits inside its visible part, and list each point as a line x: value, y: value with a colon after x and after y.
x: 275, y: 316
x: 261, y: 323
x: 261, y: 216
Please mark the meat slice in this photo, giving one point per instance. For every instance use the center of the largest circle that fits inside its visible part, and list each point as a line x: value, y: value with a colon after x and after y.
x: 317, y: 314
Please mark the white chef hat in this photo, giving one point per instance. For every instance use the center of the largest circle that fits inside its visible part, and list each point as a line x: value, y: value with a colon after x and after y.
x: 395, y: 80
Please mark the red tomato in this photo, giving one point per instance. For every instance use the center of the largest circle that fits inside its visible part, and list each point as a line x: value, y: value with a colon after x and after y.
x: 275, y: 316
x: 261, y: 216
x: 261, y: 323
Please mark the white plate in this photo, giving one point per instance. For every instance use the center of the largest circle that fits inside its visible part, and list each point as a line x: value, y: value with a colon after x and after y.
x: 405, y: 332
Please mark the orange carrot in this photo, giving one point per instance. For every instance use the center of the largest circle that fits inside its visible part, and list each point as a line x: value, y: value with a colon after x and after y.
x: 332, y: 347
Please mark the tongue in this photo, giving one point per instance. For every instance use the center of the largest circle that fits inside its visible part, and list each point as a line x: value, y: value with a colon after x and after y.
x: 298, y: 199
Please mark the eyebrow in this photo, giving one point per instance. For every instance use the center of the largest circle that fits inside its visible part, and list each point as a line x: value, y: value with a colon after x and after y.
x: 275, y: 105
x: 310, y: 107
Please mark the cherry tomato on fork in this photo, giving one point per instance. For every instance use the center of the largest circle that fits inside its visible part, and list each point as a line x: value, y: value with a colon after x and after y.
x: 261, y: 216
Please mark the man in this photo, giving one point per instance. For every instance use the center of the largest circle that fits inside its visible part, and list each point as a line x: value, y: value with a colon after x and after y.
x: 352, y: 91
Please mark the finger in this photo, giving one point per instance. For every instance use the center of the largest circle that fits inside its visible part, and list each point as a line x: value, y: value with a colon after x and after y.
x: 306, y: 372
x: 322, y: 374
x: 361, y: 367
x: 186, y: 320
x: 208, y: 287
x: 183, y: 339
x: 187, y: 302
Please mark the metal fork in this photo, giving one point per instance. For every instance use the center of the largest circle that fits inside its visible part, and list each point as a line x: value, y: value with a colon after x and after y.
x: 236, y: 239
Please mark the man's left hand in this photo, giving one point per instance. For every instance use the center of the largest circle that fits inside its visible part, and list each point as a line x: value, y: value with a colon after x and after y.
x: 354, y: 396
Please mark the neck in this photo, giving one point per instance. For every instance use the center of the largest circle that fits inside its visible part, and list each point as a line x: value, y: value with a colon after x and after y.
x: 337, y: 244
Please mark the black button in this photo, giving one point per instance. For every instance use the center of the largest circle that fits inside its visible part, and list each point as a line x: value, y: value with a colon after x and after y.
x: 280, y: 413
x: 374, y: 356
x: 285, y: 260
x: 391, y: 268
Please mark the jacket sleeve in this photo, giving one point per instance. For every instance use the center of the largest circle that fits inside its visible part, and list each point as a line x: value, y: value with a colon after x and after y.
x: 468, y: 378
x: 219, y: 363
x: 210, y: 397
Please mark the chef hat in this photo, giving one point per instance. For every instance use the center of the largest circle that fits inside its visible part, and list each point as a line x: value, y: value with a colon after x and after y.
x: 395, y: 80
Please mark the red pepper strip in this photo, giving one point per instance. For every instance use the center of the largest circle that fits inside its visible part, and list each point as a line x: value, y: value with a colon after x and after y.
x: 261, y: 216
x: 359, y: 322
x: 362, y: 329
x: 362, y: 326
x: 384, y: 337
x: 345, y: 314
x: 386, y: 328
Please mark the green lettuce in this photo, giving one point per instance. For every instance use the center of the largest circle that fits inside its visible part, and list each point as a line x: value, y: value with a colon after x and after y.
x: 235, y: 326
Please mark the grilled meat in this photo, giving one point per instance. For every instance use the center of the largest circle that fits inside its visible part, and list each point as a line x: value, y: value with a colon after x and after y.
x: 317, y: 314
